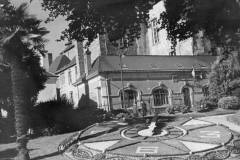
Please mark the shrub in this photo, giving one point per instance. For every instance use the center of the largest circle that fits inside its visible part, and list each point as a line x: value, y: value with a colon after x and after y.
x: 59, y: 116
x: 199, y: 106
x: 89, y: 115
x: 177, y: 108
x: 169, y: 109
x: 118, y: 111
x: 51, y: 117
x: 184, y: 109
x: 236, y: 92
x: 204, y: 104
x: 230, y: 102
x: 7, y: 130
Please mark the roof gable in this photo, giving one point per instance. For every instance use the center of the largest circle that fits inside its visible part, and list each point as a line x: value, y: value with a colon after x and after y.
x: 58, y: 63
x: 73, y: 62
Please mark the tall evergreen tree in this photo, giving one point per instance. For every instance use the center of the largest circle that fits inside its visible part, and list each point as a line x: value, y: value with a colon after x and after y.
x: 21, y: 37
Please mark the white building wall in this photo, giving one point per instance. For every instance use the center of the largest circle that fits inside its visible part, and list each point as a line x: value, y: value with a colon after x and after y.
x: 164, y: 46
x: 68, y: 87
x: 48, y: 93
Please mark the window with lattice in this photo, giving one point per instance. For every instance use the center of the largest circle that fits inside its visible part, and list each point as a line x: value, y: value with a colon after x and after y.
x: 160, y: 97
x: 155, y: 34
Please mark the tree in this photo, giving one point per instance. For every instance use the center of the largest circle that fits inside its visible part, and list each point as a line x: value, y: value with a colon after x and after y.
x: 218, y: 19
x: 224, y: 78
x: 21, y: 38
x: 88, y: 18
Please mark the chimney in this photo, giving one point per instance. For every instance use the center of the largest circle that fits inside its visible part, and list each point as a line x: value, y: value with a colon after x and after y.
x: 87, y: 61
x: 79, y: 58
x: 103, y: 44
x: 142, y: 41
x: 50, y: 59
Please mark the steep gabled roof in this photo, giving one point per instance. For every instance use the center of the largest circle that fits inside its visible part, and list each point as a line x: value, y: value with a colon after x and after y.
x: 148, y: 63
x: 58, y: 63
x: 72, y: 63
x: 152, y: 62
x: 70, y: 46
x: 48, y: 74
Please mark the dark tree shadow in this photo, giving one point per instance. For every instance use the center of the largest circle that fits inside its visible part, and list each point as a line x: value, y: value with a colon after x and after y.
x: 11, y: 153
x: 46, y: 156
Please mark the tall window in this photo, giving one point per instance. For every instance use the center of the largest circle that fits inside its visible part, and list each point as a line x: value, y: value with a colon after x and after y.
x: 62, y: 79
x: 160, y: 97
x: 76, y: 73
x: 130, y: 96
x: 69, y: 77
x: 155, y: 31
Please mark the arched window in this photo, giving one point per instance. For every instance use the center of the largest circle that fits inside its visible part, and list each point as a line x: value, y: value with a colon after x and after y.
x: 205, y: 90
x: 160, y: 97
x: 130, y: 96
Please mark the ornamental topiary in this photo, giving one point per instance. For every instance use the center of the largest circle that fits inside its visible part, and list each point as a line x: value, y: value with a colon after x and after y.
x: 230, y: 102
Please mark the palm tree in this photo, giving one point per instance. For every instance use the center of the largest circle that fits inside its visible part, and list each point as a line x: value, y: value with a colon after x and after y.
x: 20, y: 35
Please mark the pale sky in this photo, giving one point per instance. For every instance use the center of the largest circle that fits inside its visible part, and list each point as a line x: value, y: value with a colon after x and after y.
x: 55, y: 27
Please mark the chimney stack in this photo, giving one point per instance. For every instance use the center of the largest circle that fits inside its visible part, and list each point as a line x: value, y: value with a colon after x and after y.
x: 79, y: 58
x: 50, y: 59
x: 87, y: 61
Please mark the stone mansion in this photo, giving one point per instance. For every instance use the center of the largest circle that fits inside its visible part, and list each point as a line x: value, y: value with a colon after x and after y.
x: 101, y: 76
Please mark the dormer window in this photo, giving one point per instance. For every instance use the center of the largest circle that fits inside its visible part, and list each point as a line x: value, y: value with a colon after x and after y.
x: 178, y: 65
x: 202, y: 65
x: 154, y: 66
x: 124, y: 66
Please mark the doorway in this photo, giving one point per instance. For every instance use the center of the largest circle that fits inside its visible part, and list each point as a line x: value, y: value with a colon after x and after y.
x: 186, y: 96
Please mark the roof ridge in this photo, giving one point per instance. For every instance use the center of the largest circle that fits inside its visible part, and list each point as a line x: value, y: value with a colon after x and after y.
x: 160, y: 55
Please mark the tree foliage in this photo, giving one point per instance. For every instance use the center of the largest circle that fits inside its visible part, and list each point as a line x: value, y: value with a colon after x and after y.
x: 21, y: 39
x: 218, y: 19
x: 224, y: 78
x: 88, y: 18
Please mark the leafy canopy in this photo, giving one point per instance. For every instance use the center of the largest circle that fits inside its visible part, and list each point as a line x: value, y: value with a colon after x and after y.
x: 219, y: 19
x: 19, y: 29
x: 224, y: 78
x: 88, y: 18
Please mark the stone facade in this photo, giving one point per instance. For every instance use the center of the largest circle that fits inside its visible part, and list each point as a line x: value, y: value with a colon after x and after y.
x: 102, y: 89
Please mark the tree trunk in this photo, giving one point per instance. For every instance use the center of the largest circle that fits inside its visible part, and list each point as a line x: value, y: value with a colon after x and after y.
x: 21, y: 108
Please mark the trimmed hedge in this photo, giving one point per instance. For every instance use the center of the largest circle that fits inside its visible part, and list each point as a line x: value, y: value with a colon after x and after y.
x: 230, y: 102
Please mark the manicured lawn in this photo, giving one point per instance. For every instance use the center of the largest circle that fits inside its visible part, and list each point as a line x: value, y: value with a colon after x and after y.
x: 40, y: 148
x: 46, y: 147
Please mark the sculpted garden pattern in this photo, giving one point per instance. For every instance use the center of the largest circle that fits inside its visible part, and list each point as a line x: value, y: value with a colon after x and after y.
x: 151, y: 139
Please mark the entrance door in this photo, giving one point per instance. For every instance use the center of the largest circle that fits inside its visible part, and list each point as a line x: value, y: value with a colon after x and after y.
x: 130, y: 97
x: 186, y: 97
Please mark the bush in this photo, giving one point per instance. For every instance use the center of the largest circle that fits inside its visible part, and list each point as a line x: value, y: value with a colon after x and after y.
x: 59, y: 116
x: 230, y: 102
x: 7, y: 130
x: 204, y: 104
x: 184, y: 108
x: 236, y: 92
x: 169, y: 109
x: 177, y: 108
x: 51, y: 117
